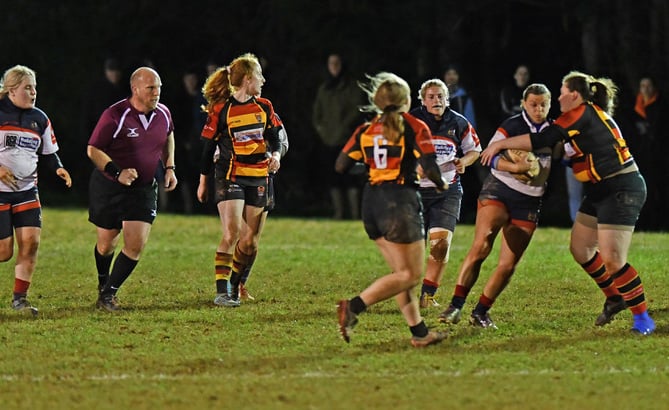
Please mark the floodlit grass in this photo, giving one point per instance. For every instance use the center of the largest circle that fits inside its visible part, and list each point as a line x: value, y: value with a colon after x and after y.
x: 171, y: 348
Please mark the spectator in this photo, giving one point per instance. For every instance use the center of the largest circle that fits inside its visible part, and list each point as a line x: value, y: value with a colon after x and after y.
x: 104, y: 91
x: 335, y: 115
x: 646, y: 142
x: 189, y: 117
x: 460, y: 100
x: 511, y: 96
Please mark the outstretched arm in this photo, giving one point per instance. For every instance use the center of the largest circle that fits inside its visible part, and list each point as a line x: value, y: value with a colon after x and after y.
x: 518, y: 142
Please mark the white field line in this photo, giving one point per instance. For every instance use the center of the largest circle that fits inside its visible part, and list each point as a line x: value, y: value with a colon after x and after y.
x: 335, y: 375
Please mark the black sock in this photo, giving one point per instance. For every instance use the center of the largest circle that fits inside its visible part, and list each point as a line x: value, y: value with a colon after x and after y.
x: 222, y: 286
x: 103, y: 263
x: 247, y: 269
x: 357, y: 305
x: 481, y: 309
x: 123, y: 267
x: 458, y: 302
x: 420, y: 330
x: 235, y: 278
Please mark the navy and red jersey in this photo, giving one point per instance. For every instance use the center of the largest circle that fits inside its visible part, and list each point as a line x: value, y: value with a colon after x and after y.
x: 24, y: 134
x: 133, y: 139
x: 452, y: 136
x: 387, y: 161
x: 246, y: 133
x: 592, y: 140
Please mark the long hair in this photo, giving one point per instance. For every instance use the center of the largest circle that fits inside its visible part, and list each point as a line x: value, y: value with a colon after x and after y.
x: 599, y: 91
x: 388, y: 94
x: 220, y: 85
x: 13, y: 77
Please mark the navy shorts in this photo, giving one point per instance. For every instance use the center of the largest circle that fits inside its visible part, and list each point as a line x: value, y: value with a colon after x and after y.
x: 615, y: 201
x: 519, y: 206
x: 393, y: 212
x: 111, y: 203
x: 19, y: 209
x: 441, y: 209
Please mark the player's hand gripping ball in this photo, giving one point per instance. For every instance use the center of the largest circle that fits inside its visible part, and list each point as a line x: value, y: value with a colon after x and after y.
x: 518, y: 156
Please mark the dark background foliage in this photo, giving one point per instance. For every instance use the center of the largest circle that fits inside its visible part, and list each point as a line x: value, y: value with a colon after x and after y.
x: 66, y: 42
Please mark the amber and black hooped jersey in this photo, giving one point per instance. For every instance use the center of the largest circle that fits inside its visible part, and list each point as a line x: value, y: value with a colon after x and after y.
x: 24, y: 133
x: 592, y: 140
x: 387, y: 161
x: 245, y: 134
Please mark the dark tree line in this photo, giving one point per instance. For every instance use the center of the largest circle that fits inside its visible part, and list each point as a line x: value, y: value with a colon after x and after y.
x: 67, y: 41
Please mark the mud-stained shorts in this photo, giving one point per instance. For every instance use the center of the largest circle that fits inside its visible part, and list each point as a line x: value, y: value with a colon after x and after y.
x: 441, y: 209
x: 522, y: 208
x: 19, y: 209
x: 615, y: 201
x: 394, y: 212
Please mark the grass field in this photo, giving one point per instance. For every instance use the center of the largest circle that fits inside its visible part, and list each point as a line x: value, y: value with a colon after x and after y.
x: 171, y: 348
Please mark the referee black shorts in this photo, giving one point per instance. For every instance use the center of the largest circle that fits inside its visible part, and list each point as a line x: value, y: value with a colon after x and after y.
x: 111, y: 203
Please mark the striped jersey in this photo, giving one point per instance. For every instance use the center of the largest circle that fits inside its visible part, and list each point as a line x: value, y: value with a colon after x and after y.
x: 242, y: 131
x: 24, y: 134
x: 387, y: 161
x: 592, y: 140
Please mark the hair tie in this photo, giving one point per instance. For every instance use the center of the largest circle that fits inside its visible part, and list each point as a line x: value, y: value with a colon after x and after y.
x: 390, y: 108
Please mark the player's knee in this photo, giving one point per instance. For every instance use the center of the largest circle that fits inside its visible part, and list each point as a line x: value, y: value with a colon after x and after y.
x: 440, y: 243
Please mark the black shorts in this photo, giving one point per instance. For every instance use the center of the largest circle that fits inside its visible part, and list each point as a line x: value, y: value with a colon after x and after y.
x: 520, y: 207
x: 253, y: 194
x: 271, y: 202
x: 111, y: 203
x: 615, y: 201
x: 441, y: 209
x: 19, y: 209
x: 394, y: 212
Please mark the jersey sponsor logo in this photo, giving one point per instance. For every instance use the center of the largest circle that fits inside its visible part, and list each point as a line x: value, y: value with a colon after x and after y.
x: 248, y: 135
x: 132, y: 132
x: 443, y: 148
x: 22, y: 141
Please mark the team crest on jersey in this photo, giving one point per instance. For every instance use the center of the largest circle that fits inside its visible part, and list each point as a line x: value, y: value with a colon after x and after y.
x: 451, y: 133
x: 132, y: 132
x: 258, y: 117
x: 34, y: 126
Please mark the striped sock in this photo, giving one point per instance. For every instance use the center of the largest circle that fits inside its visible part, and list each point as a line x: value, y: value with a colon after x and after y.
x: 629, y: 284
x: 223, y: 268
x: 597, y: 271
